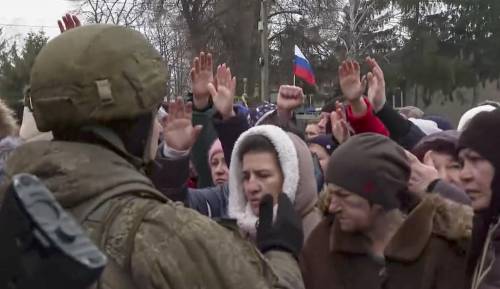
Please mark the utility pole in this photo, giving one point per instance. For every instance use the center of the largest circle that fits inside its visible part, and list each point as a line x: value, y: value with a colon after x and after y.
x: 264, y: 51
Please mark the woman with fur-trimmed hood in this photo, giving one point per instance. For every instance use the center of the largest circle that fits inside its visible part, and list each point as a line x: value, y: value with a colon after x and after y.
x: 267, y: 160
x: 8, y: 135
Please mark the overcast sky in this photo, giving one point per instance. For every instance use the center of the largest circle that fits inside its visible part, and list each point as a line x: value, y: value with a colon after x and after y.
x: 18, y: 17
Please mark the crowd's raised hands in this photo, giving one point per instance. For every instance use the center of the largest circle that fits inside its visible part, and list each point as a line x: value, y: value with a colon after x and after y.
x: 350, y: 80
x: 201, y: 75
x: 422, y: 174
x: 376, y: 85
x: 340, y: 128
x: 289, y: 98
x: 223, y: 93
x: 352, y: 86
x: 68, y: 22
x: 178, y: 130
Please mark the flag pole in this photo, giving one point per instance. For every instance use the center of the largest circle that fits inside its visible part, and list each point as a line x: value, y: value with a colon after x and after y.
x: 294, y: 79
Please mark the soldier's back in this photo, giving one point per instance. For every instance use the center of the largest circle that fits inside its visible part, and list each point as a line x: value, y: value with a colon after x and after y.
x: 151, y: 242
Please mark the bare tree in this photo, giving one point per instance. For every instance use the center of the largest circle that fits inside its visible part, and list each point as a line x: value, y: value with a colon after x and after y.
x: 121, y: 12
x: 365, y: 24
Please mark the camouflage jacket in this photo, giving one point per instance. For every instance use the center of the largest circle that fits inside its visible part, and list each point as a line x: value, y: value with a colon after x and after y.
x: 151, y: 241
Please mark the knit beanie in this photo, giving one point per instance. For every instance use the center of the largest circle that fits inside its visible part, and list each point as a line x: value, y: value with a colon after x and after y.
x: 215, y: 148
x: 371, y: 166
x: 441, y: 142
x: 483, y: 136
x: 325, y: 141
x: 471, y: 113
x: 260, y: 113
x: 426, y: 126
x: 442, y: 122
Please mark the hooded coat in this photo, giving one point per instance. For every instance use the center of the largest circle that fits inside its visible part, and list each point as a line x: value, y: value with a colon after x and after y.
x: 426, y: 252
x: 299, y: 182
x: 8, y: 135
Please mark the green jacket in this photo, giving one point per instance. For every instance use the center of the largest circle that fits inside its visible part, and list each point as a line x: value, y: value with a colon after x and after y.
x: 199, y: 152
x: 151, y: 242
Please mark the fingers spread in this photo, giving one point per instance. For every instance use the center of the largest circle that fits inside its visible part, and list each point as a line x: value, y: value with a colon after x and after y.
x: 196, y: 65
x: 77, y: 21
x: 212, y: 90
x: 60, y: 24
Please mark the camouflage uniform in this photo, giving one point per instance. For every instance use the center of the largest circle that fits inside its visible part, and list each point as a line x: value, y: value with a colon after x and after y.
x: 107, y: 73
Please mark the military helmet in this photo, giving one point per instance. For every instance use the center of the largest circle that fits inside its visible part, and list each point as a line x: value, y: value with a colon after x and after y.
x: 95, y: 74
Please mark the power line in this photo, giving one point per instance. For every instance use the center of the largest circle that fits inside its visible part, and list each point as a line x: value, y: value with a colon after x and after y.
x: 25, y: 25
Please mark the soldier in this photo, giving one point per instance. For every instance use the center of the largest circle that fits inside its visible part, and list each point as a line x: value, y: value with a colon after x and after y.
x: 97, y: 88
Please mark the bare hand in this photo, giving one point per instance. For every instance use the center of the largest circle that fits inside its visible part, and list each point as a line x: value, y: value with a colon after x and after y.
x: 338, y: 120
x: 422, y: 175
x: 178, y: 130
x: 201, y: 75
x: 350, y: 82
x: 290, y: 98
x: 68, y: 22
x: 376, y: 85
x: 223, y: 95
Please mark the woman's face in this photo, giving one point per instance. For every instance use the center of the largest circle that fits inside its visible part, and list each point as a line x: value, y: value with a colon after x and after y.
x: 448, y: 168
x: 476, y: 175
x: 219, y: 169
x: 261, y: 175
x: 354, y: 213
x: 312, y: 131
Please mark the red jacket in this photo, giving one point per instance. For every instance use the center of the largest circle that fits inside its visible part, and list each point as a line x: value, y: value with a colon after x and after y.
x: 366, y: 123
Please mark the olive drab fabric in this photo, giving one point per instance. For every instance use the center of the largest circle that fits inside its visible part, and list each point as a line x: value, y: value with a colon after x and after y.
x: 151, y: 242
x: 126, y: 77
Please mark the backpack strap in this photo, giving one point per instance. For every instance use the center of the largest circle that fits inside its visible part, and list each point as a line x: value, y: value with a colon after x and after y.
x: 98, y: 216
x: 81, y: 212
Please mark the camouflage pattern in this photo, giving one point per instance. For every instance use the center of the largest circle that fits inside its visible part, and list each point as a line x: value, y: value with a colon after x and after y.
x: 126, y: 78
x: 173, y: 247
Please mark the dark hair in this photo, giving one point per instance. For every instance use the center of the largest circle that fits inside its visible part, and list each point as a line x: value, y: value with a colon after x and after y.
x: 439, y: 146
x: 257, y: 144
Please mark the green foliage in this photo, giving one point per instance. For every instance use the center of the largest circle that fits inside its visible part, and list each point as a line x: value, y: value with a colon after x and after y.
x: 450, y: 44
x: 15, y: 66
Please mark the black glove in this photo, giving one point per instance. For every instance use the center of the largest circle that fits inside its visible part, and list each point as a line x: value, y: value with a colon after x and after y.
x: 285, y: 234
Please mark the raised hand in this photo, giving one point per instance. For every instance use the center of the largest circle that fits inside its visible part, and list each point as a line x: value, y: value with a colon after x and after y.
x: 223, y: 94
x: 376, y: 85
x: 68, y: 22
x: 338, y: 120
x: 422, y: 175
x: 201, y: 75
x: 350, y: 81
x: 178, y: 130
x: 289, y: 98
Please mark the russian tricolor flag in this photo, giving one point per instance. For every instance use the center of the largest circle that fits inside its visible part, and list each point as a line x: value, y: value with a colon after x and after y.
x: 302, y: 68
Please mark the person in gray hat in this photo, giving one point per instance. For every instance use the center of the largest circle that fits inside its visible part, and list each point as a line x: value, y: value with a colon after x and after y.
x: 367, y: 241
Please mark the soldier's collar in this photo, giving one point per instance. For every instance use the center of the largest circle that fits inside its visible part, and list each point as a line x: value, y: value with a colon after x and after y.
x: 112, y: 139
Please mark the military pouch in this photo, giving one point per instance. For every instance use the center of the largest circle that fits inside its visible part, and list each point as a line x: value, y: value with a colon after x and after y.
x: 42, y: 246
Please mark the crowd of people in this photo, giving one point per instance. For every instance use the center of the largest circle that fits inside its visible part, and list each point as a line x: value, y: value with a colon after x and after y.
x: 204, y: 192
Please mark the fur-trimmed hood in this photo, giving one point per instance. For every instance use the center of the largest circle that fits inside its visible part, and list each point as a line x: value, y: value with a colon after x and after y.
x: 434, y: 216
x: 8, y: 124
x: 7, y: 146
x: 298, y: 171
